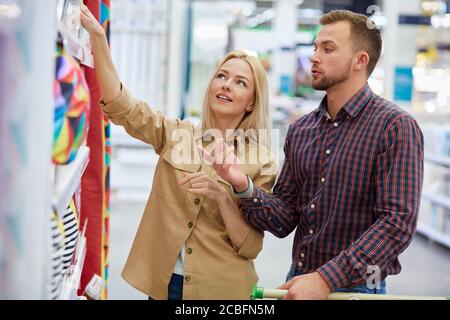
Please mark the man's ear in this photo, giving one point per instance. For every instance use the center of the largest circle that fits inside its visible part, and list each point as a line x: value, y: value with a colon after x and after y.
x: 362, y: 60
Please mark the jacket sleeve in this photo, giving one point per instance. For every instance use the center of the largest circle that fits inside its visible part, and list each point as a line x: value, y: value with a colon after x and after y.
x: 139, y: 120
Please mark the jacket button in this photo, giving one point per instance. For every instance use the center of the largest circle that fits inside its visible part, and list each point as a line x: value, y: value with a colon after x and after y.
x: 197, y: 201
x: 187, y: 278
x: 190, y: 224
x: 189, y: 250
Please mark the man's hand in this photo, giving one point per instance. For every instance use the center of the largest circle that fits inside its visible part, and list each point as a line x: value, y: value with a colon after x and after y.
x: 311, y: 286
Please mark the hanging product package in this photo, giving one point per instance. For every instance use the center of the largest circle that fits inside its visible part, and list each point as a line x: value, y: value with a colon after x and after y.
x: 72, y: 109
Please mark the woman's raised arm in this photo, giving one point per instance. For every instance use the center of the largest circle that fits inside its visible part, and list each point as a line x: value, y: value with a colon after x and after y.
x: 107, y: 76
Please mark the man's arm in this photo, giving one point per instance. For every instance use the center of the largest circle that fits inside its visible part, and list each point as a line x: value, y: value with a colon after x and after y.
x: 399, y: 175
x: 274, y: 212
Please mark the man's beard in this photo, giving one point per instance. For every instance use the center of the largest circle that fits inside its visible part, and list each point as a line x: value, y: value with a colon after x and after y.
x: 327, y: 82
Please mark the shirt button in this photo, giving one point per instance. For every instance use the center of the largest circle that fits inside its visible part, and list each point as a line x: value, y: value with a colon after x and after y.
x: 323, y: 179
x: 255, y: 200
x: 313, y: 206
x: 197, y: 201
x: 190, y: 224
x: 302, y: 255
x: 300, y: 264
x: 335, y: 124
x: 311, y: 231
x: 328, y: 151
x: 187, y: 278
x: 189, y: 250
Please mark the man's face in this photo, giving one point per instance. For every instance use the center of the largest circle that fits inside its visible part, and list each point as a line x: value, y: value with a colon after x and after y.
x: 333, y: 56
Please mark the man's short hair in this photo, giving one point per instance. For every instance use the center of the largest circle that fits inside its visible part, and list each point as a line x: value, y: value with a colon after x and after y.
x: 365, y: 34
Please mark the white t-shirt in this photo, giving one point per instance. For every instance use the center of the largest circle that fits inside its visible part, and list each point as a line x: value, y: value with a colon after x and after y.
x: 179, y: 264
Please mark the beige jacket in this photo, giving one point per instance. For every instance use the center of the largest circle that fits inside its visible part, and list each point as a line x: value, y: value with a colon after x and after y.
x: 213, y: 267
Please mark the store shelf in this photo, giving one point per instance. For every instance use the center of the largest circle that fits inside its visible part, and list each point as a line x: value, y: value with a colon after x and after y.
x: 428, y: 231
x: 433, y: 234
x: 136, y: 157
x: 71, y: 281
x: 67, y: 180
x: 441, y: 201
x: 443, y: 161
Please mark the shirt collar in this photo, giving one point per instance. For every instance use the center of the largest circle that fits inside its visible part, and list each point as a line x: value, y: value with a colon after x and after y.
x: 353, y: 106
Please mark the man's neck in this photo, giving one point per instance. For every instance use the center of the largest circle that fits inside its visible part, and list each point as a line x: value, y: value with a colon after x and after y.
x: 339, y: 94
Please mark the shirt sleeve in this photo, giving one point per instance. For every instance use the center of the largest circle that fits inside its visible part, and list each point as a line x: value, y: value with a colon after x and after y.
x: 247, y: 193
x: 399, y: 175
x: 253, y: 243
x: 274, y: 212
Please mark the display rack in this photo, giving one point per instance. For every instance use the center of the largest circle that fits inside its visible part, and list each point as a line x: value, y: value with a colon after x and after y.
x: 433, y: 234
x: 74, y: 41
x: 436, y: 200
x: 67, y: 180
x: 440, y: 160
x: 72, y: 277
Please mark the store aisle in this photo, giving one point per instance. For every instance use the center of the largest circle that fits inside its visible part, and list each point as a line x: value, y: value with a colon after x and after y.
x: 124, y: 221
x: 426, y: 266
x: 426, y: 270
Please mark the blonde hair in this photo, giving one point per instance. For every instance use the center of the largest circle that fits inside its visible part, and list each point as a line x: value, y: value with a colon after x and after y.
x: 256, y: 119
x: 366, y: 34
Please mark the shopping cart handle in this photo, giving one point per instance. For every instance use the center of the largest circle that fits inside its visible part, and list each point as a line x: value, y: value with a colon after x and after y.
x: 261, y: 293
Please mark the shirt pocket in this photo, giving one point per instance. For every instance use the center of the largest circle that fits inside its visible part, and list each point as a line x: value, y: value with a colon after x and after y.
x: 167, y: 175
x: 186, y: 164
x: 212, y: 212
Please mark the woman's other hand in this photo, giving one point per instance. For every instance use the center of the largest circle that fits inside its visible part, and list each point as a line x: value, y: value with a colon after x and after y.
x: 200, y: 183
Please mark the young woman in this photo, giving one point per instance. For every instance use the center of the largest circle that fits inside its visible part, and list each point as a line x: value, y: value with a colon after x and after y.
x: 192, y: 242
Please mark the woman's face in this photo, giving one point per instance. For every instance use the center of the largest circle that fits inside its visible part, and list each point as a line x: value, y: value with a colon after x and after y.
x: 232, y: 91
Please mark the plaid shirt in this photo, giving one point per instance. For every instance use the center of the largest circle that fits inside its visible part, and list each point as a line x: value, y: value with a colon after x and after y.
x: 351, y: 186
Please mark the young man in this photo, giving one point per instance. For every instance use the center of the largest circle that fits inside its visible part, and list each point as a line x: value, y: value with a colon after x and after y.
x: 352, y: 177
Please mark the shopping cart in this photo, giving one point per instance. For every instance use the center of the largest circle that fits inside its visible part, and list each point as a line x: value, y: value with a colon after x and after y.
x: 261, y: 293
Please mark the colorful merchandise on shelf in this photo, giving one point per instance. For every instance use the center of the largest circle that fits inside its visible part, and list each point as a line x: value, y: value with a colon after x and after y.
x: 72, y: 109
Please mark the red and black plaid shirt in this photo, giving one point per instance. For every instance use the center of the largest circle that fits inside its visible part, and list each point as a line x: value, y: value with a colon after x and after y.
x: 351, y: 186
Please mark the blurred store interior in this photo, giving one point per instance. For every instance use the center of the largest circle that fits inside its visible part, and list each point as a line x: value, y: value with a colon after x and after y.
x: 165, y: 52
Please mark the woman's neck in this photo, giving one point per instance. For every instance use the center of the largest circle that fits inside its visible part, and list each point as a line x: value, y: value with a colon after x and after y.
x: 226, y: 124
